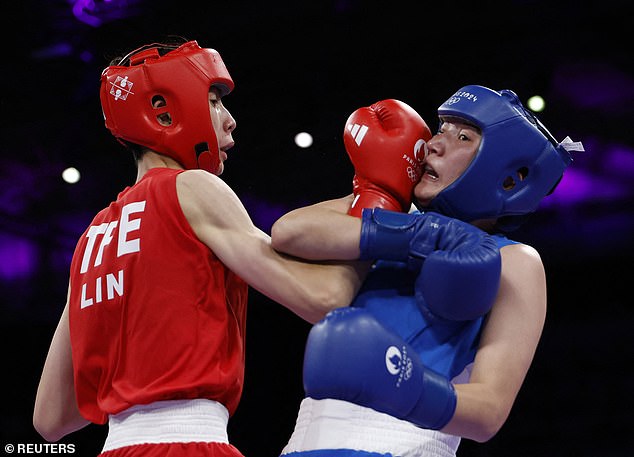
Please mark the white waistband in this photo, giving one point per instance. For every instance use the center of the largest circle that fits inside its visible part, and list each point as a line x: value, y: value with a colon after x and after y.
x: 171, y: 421
x: 336, y: 424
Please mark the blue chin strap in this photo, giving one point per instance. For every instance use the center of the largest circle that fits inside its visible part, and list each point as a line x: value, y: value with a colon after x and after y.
x: 517, y: 164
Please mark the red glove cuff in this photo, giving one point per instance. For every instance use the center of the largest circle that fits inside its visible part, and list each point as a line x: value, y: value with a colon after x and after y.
x: 373, y: 198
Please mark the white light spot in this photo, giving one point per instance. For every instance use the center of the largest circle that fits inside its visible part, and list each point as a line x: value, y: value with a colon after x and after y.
x: 536, y: 103
x: 303, y: 140
x: 71, y: 175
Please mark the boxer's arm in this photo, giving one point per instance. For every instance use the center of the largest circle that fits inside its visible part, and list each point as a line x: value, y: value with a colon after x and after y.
x: 507, y: 347
x: 56, y: 413
x: 221, y: 222
x: 323, y: 231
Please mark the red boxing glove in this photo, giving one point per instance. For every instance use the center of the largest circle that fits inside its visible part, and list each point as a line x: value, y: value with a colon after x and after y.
x: 386, y: 144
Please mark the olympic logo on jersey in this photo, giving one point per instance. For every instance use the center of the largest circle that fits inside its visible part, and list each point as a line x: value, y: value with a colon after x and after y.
x: 398, y: 363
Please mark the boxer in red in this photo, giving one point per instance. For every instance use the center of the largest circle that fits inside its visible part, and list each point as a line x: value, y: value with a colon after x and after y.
x: 151, y: 340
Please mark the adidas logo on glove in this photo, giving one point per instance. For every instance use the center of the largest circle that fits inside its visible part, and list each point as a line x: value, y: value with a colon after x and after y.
x: 358, y: 132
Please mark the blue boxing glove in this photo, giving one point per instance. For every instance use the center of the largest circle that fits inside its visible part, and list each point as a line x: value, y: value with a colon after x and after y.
x: 460, y: 265
x: 350, y: 356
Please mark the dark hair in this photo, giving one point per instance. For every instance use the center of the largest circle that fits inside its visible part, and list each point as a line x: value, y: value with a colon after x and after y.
x: 137, y: 150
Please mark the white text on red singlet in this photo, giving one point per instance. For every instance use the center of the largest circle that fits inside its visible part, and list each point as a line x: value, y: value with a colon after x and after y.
x: 111, y: 283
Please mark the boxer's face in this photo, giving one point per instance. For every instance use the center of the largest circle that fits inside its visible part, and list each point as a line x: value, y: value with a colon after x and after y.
x: 224, y: 124
x: 450, y: 151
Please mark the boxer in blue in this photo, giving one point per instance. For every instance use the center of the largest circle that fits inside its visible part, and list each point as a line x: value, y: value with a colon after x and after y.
x: 437, y: 343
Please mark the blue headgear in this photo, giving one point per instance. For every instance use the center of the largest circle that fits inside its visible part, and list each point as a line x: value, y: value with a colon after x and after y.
x: 517, y: 164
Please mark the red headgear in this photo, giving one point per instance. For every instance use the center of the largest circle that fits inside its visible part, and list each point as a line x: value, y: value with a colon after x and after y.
x: 181, y: 127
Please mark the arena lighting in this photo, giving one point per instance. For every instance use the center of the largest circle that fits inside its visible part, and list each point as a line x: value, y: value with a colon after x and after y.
x: 71, y: 175
x: 303, y: 140
x: 536, y: 103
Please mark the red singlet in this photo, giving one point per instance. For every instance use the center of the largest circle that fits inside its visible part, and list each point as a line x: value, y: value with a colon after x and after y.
x: 154, y: 314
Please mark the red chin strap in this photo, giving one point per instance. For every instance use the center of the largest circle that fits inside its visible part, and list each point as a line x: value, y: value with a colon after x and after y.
x: 208, y: 161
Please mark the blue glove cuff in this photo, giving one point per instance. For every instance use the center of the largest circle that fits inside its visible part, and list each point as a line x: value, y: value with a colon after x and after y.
x: 386, y: 234
x: 438, y: 403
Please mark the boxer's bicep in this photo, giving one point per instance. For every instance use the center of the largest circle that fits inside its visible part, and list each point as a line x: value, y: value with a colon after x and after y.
x: 220, y: 221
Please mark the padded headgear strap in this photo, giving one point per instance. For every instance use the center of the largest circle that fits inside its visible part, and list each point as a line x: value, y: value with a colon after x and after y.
x: 161, y: 101
x: 517, y: 164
